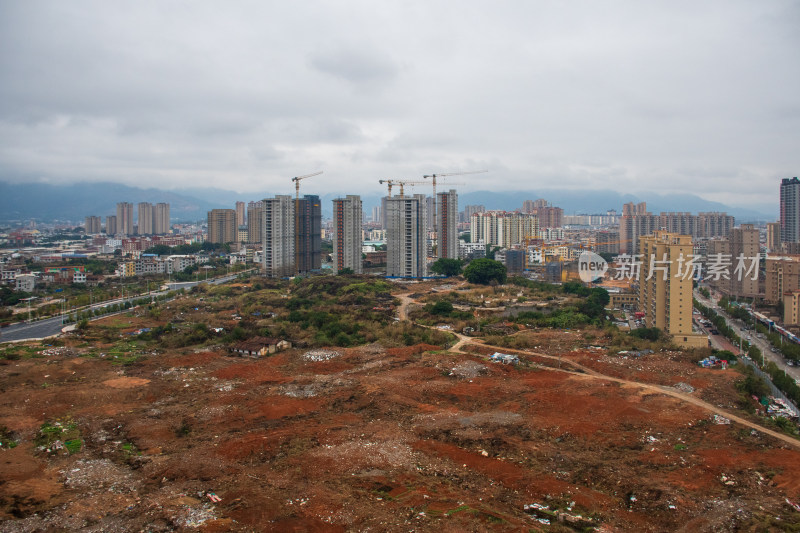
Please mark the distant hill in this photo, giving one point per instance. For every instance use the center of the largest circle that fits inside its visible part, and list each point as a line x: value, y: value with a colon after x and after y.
x: 73, y: 203
x: 595, y: 201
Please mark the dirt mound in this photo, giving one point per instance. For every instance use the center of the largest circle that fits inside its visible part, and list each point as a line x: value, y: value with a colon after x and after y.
x: 126, y: 383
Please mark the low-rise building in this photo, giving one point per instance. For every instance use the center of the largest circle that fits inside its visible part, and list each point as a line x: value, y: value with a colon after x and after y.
x: 514, y: 261
x: 8, y: 276
x: 25, y: 282
x: 623, y: 300
x: 260, y: 346
x: 471, y: 250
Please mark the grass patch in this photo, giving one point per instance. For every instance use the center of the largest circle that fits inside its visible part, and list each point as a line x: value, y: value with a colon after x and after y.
x: 73, y: 445
x: 19, y: 351
x: 462, y: 508
x: 59, y: 434
x: 7, y: 439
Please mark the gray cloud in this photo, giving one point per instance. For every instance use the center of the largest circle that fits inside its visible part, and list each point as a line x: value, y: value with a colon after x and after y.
x: 632, y: 96
x: 358, y: 67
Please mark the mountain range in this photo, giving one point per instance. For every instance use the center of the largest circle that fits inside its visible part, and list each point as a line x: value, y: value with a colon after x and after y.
x: 72, y: 203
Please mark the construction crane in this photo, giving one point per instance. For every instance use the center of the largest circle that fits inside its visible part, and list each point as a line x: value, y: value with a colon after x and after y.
x: 390, y: 183
x: 433, y: 180
x: 297, y: 180
x: 402, y: 184
x: 434, y: 176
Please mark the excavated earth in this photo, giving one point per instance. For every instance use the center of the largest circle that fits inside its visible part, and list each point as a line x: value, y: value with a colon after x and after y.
x: 368, y: 439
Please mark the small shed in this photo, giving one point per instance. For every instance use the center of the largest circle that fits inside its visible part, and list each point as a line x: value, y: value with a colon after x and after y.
x: 260, y: 346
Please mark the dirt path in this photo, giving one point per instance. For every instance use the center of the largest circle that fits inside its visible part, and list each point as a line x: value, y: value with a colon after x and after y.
x: 402, y: 311
x: 588, y: 373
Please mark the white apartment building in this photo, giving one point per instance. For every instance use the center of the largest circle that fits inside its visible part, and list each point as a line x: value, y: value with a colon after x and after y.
x: 406, y: 242
x: 347, y: 234
x: 278, y: 255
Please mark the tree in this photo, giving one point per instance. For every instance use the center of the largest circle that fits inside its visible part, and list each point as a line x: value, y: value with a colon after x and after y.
x: 159, y: 249
x: 596, y: 301
x: 490, y: 251
x: 442, y: 307
x: 447, y: 267
x: 650, y: 334
x: 753, y: 384
x: 465, y: 237
x: 346, y: 270
x: 483, y: 271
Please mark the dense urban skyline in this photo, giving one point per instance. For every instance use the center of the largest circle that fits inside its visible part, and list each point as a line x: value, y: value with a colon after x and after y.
x: 660, y: 97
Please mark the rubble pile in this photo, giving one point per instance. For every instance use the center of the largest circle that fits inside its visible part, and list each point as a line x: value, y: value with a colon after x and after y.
x: 320, y: 355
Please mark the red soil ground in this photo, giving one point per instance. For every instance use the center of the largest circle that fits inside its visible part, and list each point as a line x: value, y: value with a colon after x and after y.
x: 389, y: 440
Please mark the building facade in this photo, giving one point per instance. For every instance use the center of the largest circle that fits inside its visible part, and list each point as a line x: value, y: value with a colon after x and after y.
x: 637, y: 222
x: 665, y: 287
x: 607, y: 242
x: 221, y: 226
x: 514, y: 261
x: 347, y: 234
x: 93, y: 225
x: 773, y: 236
x: 406, y: 243
x: 447, y: 245
x: 161, y: 223
x: 790, y: 210
x: 781, y: 275
x: 502, y: 228
x: 745, y: 261
x: 634, y: 224
x: 469, y: 210
x: 240, y: 213
x: 308, y: 234
x: 255, y: 222
x: 278, y: 237
x: 111, y: 225
x: 125, y: 218
x: 146, y: 216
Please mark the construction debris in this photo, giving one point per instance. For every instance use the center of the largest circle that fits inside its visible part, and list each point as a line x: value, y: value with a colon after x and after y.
x: 505, y: 358
x: 720, y: 420
x: 320, y: 355
x: 713, y: 362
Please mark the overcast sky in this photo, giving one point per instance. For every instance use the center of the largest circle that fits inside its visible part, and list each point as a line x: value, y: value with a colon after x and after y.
x: 633, y: 96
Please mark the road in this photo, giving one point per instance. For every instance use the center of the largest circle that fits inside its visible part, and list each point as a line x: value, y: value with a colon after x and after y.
x: 762, y: 344
x: 49, y: 327
x: 33, y: 330
x: 178, y: 285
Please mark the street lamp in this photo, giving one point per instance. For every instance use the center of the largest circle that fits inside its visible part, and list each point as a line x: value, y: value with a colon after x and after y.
x: 29, y: 306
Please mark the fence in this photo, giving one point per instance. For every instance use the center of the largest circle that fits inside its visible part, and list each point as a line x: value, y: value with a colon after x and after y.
x: 768, y: 380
